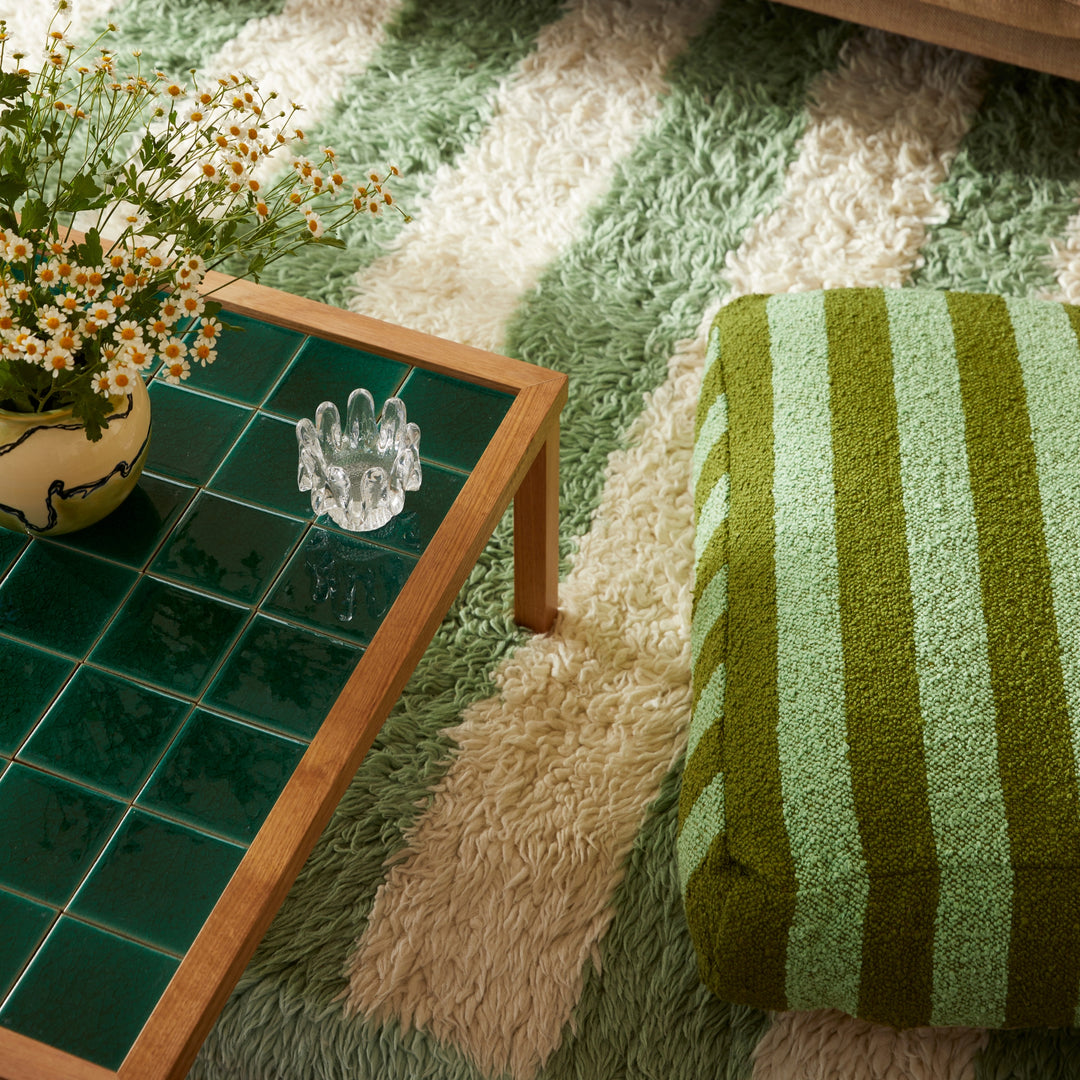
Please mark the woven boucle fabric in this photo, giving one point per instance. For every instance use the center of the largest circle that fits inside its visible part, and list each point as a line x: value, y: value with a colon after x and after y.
x: 879, y: 809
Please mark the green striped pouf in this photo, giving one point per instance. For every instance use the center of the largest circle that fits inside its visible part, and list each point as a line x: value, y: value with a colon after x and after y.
x: 879, y: 810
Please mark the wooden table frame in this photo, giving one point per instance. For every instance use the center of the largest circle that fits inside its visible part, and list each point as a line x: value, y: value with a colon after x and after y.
x: 521, y: 463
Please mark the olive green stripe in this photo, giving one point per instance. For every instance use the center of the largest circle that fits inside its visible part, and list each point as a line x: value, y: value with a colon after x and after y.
x: 712, y: 514
x: 712, y: 381
x: 1037, y: 775
x: 705, y: 475
x: 712, y: 656
x: 700, y: 768
x: 710, y: 603
x: 708, y: 708
x: 753, y: 791
x: 1050, y: 364
x: 710, y: 430
x: 825, y: 947
x: 881, y: 686
x: 709, y: 563
x: 967, y: 806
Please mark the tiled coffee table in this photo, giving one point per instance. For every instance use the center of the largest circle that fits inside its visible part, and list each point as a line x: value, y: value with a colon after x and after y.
x: 188, y: 687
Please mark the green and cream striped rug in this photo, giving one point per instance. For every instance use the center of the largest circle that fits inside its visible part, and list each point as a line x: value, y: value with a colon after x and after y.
x: 589, y: 180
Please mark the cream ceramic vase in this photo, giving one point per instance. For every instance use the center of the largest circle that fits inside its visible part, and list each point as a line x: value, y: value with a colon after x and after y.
x: 54, y: 480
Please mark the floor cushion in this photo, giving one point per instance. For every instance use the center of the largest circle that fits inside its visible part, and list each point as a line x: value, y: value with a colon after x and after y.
x: 879, y: 810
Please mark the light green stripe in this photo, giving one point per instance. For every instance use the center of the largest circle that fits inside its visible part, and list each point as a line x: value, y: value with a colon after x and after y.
x: 708, y: 709
x: 711, y: 604
x: 1038, y: 773
x: 712, y: 515
x: 714, y: 425
x: 967, y: 807
x: 1050, y: 363
x: 825, y: 947
x: 703, y: 823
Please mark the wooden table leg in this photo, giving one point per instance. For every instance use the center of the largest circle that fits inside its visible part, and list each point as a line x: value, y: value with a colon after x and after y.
x: 536, y: 539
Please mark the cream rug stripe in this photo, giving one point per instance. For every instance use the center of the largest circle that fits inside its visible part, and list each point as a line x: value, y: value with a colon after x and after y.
x: 306, y: 52
x: 30, y: 23
x: 883, y: 132
x: 493, y: 220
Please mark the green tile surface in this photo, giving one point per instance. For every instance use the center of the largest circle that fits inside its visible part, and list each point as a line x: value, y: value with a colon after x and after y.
x: 162, y: 672
x: 170, y: 636
x: 283, y: 676
x: 25, y: 923
x: 53, y: 830
x: 88, y: 992
x: 29, y: 680
x: 325, y: 371
x: 106, y: 732
x: 157, y: 881
x: 338, y: 583
x: 222, y: 775
x: 60, y: 598
x: 228, y: 547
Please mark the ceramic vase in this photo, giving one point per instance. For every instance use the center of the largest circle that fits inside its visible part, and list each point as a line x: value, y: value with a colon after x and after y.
x: 53, y: 480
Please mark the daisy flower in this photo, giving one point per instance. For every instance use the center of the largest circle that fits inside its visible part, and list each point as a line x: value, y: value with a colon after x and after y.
x: 128, y: 331
x: 172, y: 349
x: 57, y: 360
x: 121, y: 377
x: 175, y: 370
x: 51, y: 319
x: 204, y: 352
x: 191, y: 302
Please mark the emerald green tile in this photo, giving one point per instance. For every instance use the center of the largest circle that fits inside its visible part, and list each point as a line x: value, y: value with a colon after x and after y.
x: 227, y: 547
x: 11, y: 543
x: 263, y: 466
x: 29, y: 680
x: 222, y: 775
x: 60, y: 598
x: 157, y: 881
x: 88, y: 992
x: 192, y: 433
x: 24, y: 923
x: 326, y: 371
x: 456, y: 419
x: 411, y: 530
x: 339, y: 583
x: 169, y: 636
x: 105, y: 731
x: 250, y: 357
x: 132, y: 532
x: 53, y: 830
x: 283, y: 677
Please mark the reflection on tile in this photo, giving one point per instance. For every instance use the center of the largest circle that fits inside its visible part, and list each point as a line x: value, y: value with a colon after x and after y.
x: 11, y: 543
x: 326, y: 371
x: 88, y: 992
x: 52, y: 831
x: 282, y: 676
x: 192, y: 433
x: 413, y: 528
x: 341, y: 584
x: 228, y: 548
x: 169, y: 636
x: 29, y: 680
x: 106, y: 732
x: 60, y: 598
x: 263, y: 467
x: 222, y: 775
x: 157, y: 881
x: 132, y: 532
x: 456, y: 419
x: 24, y: 924
x: 251, y: 355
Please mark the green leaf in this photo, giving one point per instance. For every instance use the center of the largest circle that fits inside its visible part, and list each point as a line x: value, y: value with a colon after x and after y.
x: 328, y: 241
x: 35, y: 215
x: 12, y: 85
x: 81, y: 192
x: 90, y: 252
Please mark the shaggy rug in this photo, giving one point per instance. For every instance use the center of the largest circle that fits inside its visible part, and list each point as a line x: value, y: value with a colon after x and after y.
x: 589, y: 180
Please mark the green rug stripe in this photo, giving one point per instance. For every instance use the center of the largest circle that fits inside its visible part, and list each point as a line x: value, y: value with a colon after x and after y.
x: 826, y: 939
x: 955, y: 694
x: 426, y: 95
x: 1044, y: 829
x: 1011, y: 188
x: 176, y: 37
x: 651, y: 253
x: 754, y: 791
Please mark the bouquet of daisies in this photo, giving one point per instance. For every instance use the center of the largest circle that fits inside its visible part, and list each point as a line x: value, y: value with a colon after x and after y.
x: 118, y: 192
